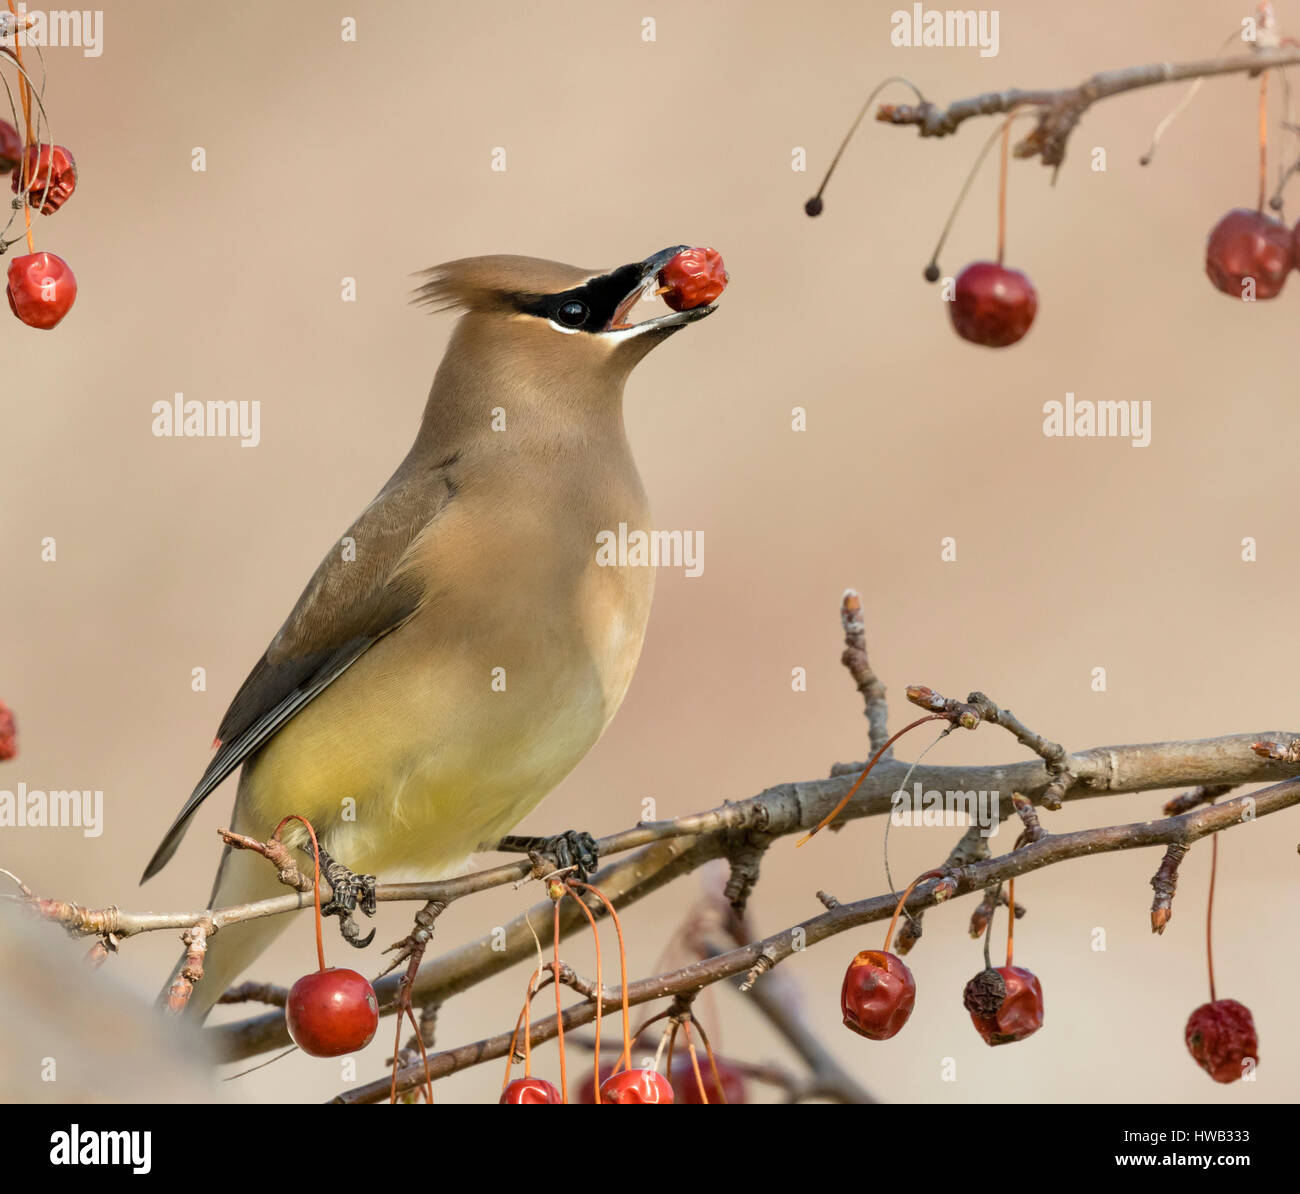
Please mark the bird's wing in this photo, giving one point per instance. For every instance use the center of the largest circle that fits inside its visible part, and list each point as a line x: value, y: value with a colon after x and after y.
x: 349, y: 604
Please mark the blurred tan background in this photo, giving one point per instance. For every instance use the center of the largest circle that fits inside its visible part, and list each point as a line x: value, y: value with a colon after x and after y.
x: 371, y: 160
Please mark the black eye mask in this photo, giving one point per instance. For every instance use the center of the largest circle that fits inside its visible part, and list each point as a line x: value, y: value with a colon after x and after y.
x: 586, y: 308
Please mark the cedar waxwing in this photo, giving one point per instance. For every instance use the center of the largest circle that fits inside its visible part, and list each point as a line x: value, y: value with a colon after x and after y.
x: 459, y: 650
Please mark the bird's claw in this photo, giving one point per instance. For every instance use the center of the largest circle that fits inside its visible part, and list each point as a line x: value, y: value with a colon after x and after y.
x: 410, y: 949
x: 350, y: 892
x: 410, y: 946
x: 572, y: 850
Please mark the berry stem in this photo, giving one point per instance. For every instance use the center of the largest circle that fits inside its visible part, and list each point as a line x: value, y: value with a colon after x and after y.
x: 1002, y: 190
x: 857, y: 783
x: 893, y: 920
x: 523, y: 1020
x: 663, y: 1015
x: 695, y: 1062
x: 669, y: 1035
x: 988, y: 929
x: 419, y: 1040
x: 1177, y: 109
x: 626, y: 1060
x: 315, y: 854
x: 25, y: 95
x: 510, y: 1053
x: 1209, y: 911
x: 889, y: 821
x: 397, y: 1048
x: 815, y: 201
x: 713, y: 1061
x: 600, y: 982
x: 1011, y: 916
x: 528, y: 1022
x: 32, y: 95
x: 559, y: 1013
x: 1263, y: 138
x: 965, y: 189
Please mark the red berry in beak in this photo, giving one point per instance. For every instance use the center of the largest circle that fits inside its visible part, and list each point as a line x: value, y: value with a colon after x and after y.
x: 1016, y: 1015
x: 993, y: 306
x: 11, y: 147
x: 530, y: 1090
x: 51, y: 177
x: 694, y: 278
x: 41, y: 289
x: 1248, y: 244
x: 877, y: 995
x: 687, y: 1090
x: 331, y: 1012
x: 636, y: 1086
x: 1221, y: 1037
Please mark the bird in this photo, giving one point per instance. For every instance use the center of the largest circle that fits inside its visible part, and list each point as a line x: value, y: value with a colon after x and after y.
x: 459, y: 649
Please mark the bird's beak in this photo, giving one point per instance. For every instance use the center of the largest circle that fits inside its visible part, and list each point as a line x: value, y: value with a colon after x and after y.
x: 646, y: 274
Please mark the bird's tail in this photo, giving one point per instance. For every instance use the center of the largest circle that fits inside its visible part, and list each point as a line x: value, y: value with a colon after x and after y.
x: 243, y: 876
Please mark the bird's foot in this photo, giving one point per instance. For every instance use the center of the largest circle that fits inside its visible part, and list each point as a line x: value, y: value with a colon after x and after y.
x: 572, y: 850
x: 350, y: 892
x: 411, y: 947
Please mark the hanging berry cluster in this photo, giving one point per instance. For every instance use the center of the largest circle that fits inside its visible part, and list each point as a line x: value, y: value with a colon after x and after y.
x: 620, y: 1084
x: 40, y: 286
x: 1005, y: 1003
x: 1249, y: 254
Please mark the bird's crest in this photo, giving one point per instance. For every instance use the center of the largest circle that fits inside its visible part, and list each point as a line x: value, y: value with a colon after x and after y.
x: 495, y: 283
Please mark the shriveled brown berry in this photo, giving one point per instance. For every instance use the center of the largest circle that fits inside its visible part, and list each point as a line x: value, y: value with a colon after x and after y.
x: 984, y: 993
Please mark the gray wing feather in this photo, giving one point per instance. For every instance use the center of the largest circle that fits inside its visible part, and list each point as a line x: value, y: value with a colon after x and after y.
x: 345, y: 609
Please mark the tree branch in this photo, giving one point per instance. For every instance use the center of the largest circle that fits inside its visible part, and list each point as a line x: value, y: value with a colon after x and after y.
x: 679, y: 846
x: 1061, y: 109
x: 658, y: 852
x: 1049, y: 850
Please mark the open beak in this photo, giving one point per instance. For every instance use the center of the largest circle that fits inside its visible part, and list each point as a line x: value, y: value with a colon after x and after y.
x: 647, y: 287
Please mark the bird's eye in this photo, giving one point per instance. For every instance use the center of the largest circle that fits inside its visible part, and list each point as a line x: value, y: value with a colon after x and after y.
x: 573, y: 314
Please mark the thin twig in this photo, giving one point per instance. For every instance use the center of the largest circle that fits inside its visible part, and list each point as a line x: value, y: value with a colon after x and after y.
x: 859, y: 667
